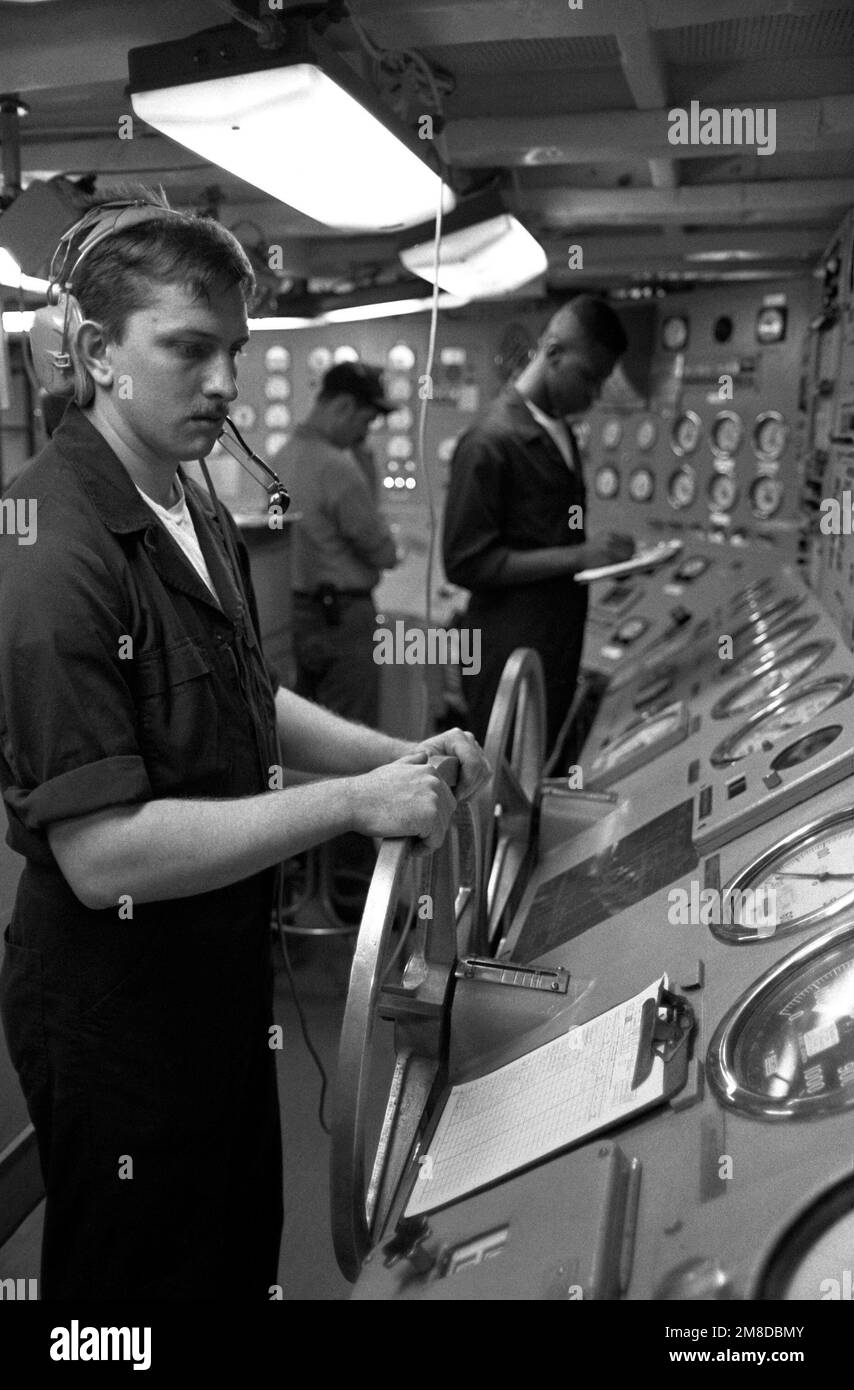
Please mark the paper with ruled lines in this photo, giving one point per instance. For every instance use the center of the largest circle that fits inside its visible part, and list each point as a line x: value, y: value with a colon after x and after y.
x: 555, y: 1096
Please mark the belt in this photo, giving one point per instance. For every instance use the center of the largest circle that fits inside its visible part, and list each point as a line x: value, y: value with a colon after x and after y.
x: 341, y: 593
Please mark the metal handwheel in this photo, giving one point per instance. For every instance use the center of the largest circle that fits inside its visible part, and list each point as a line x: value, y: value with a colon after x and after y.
x: 416, y: 995
x: 515, y: 746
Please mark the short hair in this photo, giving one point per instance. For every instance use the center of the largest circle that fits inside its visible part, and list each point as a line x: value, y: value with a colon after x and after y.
x: 596, y: 319
x: 115, y: 278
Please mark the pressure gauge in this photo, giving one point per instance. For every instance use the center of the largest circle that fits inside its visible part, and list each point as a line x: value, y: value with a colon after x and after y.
x: 645, y: 739
x: 612, y: 433
x: 244, y: 416
x: 581, y: 430
x: 399, y: 390
x: 399, y: 420
x: 802, y: 880
x: 722, y: 493
x: 319, y: 359
x: 274, y: 442
x: 646, y: 434
x: 786, y: 1048
x: 276, y: 359
x: 682, y: 487
x: 631, y: 630
x: 770, y: 434
x: 759, y: 589
x: 766, y: 496
x: 778, y: 640
x: 401, y: 357
x: 814, y: 1251
x: 777, y: 676
x: 726, y: 434
x: 691, y: 569
x: 400, y: 446
x: 607, y: 482
x: 641, y: 485
x: 765, y: 730
x: 770, y: 325
x: 653, y: 689
x: 763, y: 624
x: 276, y: 417
x: 674, y: 333
x: 277, y: 388
x: 686, y: 433
x: 345, y: 353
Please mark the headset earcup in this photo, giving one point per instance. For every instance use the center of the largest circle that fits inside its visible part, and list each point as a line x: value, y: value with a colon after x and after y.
x: 54, y: 330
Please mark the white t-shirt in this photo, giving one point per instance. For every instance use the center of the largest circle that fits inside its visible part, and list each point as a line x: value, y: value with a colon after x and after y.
x: 179, y: 524
x: 558, y: 431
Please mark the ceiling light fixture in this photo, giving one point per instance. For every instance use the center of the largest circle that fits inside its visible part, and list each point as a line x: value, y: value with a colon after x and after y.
x: 485, y: 250
x: 296, y: 122
x: 388, y: 301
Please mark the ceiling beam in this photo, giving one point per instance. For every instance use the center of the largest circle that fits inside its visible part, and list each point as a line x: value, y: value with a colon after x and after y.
x: 804, y: 244
x: 819, y: 123
x: 733, y: 203
x: 645, y: 74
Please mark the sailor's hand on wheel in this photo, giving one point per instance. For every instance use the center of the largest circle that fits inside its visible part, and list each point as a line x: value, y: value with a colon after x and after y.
x: 403, y: 798
x: 474, y: 769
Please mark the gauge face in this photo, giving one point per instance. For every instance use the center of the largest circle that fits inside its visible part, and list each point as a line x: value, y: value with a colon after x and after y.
x: 400, y: 446
x: 276, y: 359
x: 399, y: 390
x: 686, y: 433
x: 770, y: 435
x: 766, y: 496
x: 726, y: 434
x: 244, y: 416
x: 653, y: 690
x: 674, y: 333
x: 612, y: 433
x: 641, y: 485
x: 770, y: 325
x: 631, y: 630
x: 691, y: 568
x: 319, y: 359
x: 723, y: 492
x: 401, y: 357
x: 276, y: 417
x: 764, y: 731
x: 646, y: 434
x: 399, y: 420
x: 639, y: 738
x: 277, y: 388
x: 345, y: 353
x: 752, y: 694
x: 779, y: 640
x: 807, y: 747
x: 787, y: 1047
x: 682, y: 488
x: 607, y: 483
x: 274, y: 442
x: 763, y: 625
x: 804, y: 879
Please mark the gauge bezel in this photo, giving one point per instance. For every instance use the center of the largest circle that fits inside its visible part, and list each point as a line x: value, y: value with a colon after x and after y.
x: 646, y: 473
x: 720, y: 1057
x: 761, y: 625
x: 718, y: 757
x: 607, y: 768
x: 764, y: 513
x: 758, y: 425
x: 714, y: 481
x: 684, y: 332
x: 647, y: 424
x: 606, y: 496
x: 799, y: 626
x: 721, y: 708
x: 688, y: 472
x: 761, y: 866
x: 679, y: 449
x: 800, y: 1238
x: 718, y: 451
x: 758, y: 591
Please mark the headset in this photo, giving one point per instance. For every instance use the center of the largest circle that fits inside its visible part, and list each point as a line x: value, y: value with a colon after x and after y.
x: 55, y: 326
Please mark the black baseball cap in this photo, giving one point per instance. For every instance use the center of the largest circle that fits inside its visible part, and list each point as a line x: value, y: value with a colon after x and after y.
x: 360, y: 380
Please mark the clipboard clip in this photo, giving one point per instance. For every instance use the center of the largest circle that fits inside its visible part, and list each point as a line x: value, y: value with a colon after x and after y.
x: 666, y: 1027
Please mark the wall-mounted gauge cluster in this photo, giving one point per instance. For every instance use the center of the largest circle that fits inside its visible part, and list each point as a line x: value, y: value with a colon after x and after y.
x: 607, y: 482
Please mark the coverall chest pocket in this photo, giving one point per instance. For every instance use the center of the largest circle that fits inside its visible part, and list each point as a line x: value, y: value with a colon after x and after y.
x: 183, y: 744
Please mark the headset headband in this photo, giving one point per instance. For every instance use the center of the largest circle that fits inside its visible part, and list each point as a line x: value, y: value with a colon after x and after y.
x: 103, y: 221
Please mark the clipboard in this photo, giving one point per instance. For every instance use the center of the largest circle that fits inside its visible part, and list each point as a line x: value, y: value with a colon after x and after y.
x: 556, y: 1097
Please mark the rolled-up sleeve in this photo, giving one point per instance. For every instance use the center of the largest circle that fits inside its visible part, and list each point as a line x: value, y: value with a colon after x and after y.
x: 68, y: 720
x: 474, y: 544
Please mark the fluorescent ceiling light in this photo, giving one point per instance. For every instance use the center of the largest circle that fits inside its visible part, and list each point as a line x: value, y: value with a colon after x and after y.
x: 271, y: 323
x: 12, y: 275
x: 297, y: 123
x: 484, y: 251
x: 389, y: 308
x: 715, y: 256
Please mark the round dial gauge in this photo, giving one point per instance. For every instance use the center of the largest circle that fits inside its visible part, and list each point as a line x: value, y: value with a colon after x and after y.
x: 682, y: 488
x: 763, y: 625
x: 723, y: 491
x: 607, y: 482
x: 581, y: 430
x: 345, y: 353
x: 244, y: 416
x: 766, y: 496
x: 686, y: 433
x: 753, y: 594
x: 399, y: 389
x: 400, y: 420
x: 770, y: 325
x: 804, y: 879
x: 638, y: 737
x: 631, y: 630
x: 778, y: 675
x: 726, y: 434
x: 780, y: 640
x: 612, y: 433
x: 401, y: 357
x: 691, y: 568
x: 276, y: 417
x: 815, y: 1249
x: 277, y: 358
x: 277, y: 388
x: 275, y: 441
x: 319, y: 359
x: 646, y: 434
x: 641, y: 485
x: 770, y: 434
x: 765, y: 730
x: 674, y: 333
x: 653, y: 689
x: 400, y: 446
x: 786, y: 1048
x: 806, y: 747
